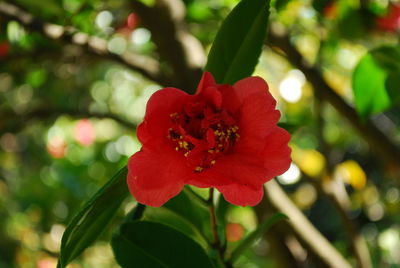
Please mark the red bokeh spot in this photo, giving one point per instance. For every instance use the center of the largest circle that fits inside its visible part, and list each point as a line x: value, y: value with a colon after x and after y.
x: 132, y: 21
x: 391, y: 21
x: 47, y: 263
x: 330, y: 10
x: 56, y: 147
x: 4, y: 49
x: 84, y: 133
x: 234, y: 232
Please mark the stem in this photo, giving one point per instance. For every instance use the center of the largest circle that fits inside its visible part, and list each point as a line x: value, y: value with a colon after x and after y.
x: 214, y: 227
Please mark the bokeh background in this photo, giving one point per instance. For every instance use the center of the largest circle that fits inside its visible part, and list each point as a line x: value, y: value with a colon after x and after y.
x: 75, y: 76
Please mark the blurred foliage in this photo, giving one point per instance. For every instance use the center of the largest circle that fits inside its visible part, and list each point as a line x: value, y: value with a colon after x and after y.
x: 67, y: 120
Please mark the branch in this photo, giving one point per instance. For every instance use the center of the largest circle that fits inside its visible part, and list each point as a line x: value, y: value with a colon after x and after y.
x: 144, y: 65
x: 389, y: 152
x: 358, y: 245
x: 334, y: 189
x: 182, y: 51
x: 11, y: 122
x: 304, y: 231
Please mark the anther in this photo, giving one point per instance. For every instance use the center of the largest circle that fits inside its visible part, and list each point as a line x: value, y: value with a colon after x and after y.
x: 198, y: 169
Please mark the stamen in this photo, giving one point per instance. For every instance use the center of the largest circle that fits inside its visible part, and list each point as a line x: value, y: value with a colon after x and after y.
x: 213, y: 133
x: 198, y: 169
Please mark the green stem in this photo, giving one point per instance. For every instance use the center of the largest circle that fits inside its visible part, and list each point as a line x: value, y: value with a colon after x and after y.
x: 214, y: 226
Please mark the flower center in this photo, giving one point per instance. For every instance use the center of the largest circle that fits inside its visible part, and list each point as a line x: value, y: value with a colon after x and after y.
x: 202, y: 133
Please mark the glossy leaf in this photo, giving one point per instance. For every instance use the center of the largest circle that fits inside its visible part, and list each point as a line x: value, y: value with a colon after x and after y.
x: 148, y: 244
x: 238, y: 44
x: 392, y: 86
x: 375, y: 83
x: 192, y: 210
x: 93, y: 218
x: 176, y: 221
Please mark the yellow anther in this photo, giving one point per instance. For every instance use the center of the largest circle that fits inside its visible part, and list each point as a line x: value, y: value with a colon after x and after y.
x: 173, y: 115
x: 176, y: 148
x: 211, y: 151
x: 186, y: 154
x: 185, y: 145
x: 198, y: 169
x: 213, y: 162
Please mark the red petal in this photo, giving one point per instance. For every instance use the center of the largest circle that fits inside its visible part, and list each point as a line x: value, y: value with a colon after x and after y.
x: 154, y: 177
x: 277, y: 152
x: 256, y: 119
x: 157, y: 119
x: 207, y: 80
x: 212, y: 95
x: 253, y: 108
x: 207, y: 90
x: 233, y: 97
x: 240, y: 169
x: 209, y: 177
x: 241, y: 195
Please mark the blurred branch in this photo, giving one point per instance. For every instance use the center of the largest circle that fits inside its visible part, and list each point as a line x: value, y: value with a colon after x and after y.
x: 304, y: 231
x: 10, y: 121
x: 144, y: 65
x: 332, y: 190
x: 181, y: 50
x: 378, y: 141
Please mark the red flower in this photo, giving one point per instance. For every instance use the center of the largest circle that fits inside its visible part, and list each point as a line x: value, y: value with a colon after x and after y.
x: 223, y: 136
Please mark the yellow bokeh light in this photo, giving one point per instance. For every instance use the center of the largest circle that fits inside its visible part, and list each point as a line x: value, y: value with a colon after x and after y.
x: 351, y: 173
x: 311, y: 162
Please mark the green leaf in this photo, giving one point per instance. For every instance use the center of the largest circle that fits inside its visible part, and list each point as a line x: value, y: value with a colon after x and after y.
x: 176, y: 221
x: 148, y: 244
x: 93, y: 218
x: 291, y: 128
x: 252, y: 237
x: 392, y: 86
x: 280, y: 4
x: 374, y: 81
x: 238, y: 44
x: 192, y: 210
